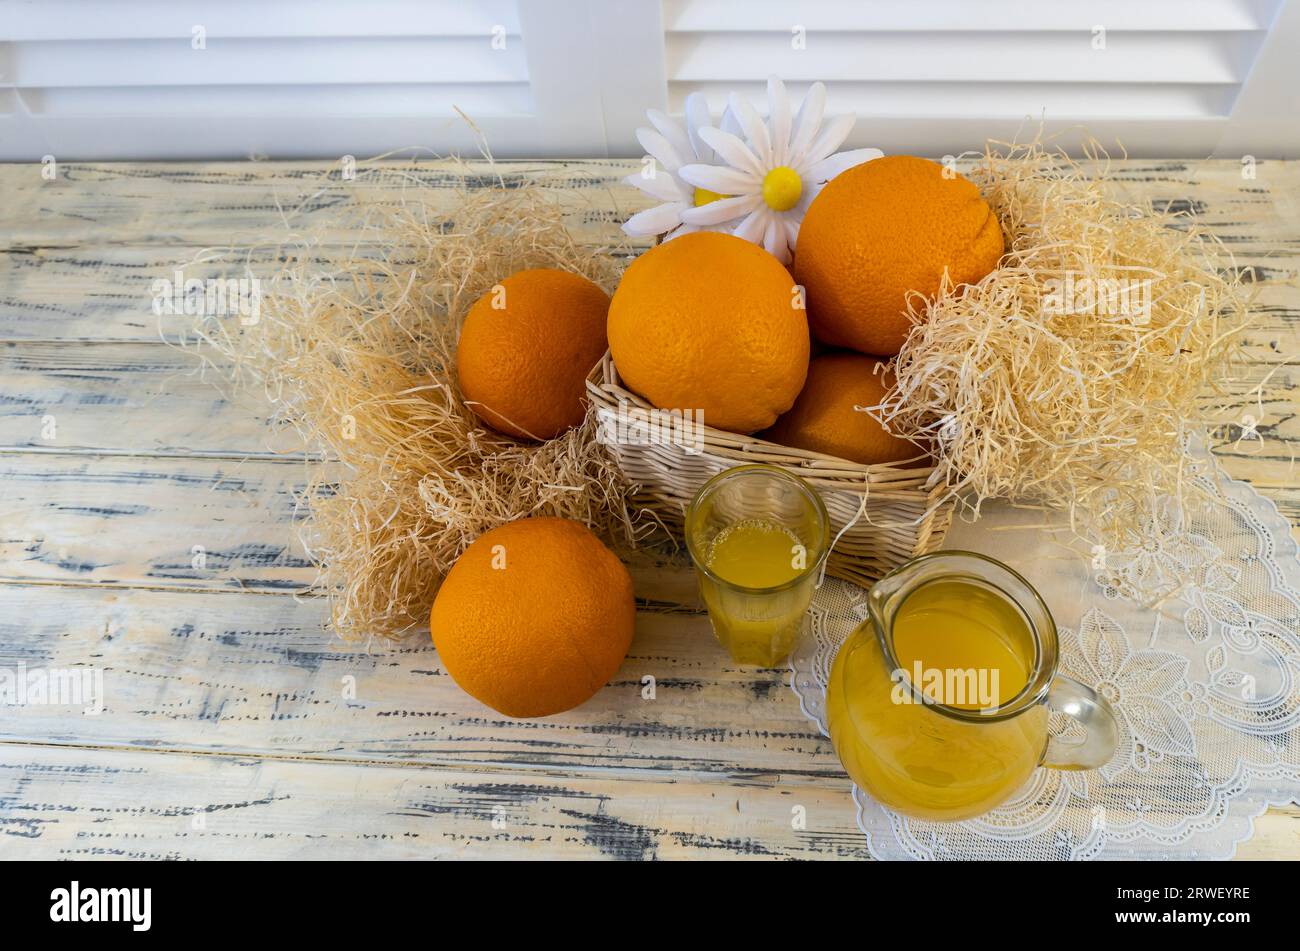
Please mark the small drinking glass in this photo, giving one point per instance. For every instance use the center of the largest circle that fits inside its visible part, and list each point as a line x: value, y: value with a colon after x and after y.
x: 758, y: 624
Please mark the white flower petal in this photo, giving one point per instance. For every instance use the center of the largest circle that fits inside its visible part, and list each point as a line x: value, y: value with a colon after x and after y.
x: 697, y: 117
x: 811, y: 189
x: 829, y: 139
x: 721, y: 211
x: 760, y: 143
x: 752, y: 228
x: 730, y: 123
x: 657, y: 220
x: 774, y: 239
x: 718, y: 178
x: 732, y: 150
x: 807, y: 121
x: 660, y: 148
x: 663, y: 186
x: 673, y: 132
x: 778, y: 114
x: 792, y: 223
x: 828, y: 168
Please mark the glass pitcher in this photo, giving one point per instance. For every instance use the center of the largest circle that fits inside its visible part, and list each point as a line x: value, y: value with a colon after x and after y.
x: 940, y: 760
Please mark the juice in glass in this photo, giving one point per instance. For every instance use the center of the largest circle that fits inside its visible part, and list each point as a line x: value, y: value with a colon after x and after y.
x: 758, y: 537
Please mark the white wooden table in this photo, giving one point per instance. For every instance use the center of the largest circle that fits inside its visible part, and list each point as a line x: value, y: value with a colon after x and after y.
x: 229, y: 729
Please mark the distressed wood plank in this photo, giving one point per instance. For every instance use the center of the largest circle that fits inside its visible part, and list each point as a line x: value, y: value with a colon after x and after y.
x: 133, y: 521
x: 229, y: 673
x: 83, y: 253
x: 173, y: 205
x: 88, y: 391
x: 1276, y: 839
x: 93, y: 804
x: 56, y: 397
x: 107, y: 293
x: 245, y: 683
x: 207, y: 203
x: 204, y: 671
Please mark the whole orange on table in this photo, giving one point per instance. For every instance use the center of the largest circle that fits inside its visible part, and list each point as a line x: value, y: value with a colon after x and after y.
x: 824, y: 419
x: 526, y: 348
x: 713, y: 323
x: 881, y: 230
x: 534, y: 617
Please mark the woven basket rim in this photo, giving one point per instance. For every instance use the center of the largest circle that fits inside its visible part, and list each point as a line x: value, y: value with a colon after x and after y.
x: 608, y: 395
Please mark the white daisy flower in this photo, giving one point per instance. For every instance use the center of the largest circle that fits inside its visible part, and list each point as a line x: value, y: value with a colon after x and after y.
x: 672, y: 146
x: 772, y: 175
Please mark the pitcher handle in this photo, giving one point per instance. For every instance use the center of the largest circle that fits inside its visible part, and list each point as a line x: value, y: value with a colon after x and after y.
x: 1090, y: 711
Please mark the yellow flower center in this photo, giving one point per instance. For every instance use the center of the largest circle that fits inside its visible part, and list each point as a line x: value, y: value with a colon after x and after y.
x: 703, y: 196
x: 782, y: 188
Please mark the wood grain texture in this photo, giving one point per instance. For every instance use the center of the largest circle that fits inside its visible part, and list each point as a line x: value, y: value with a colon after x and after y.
x: 234, y: 725
x: 227, y: 673
x: 135, y: 520
x: 94, y: 803
x: 56, y: 397
x: 85, y: 804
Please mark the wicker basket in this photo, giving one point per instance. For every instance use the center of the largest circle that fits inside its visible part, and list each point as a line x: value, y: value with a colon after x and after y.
x: 901, y: 519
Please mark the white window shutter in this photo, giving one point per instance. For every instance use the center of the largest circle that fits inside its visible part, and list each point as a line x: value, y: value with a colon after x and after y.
x: 1265, y: 119
x: 180, y: 79
x: 596, y: 66
x: 1164, y: 77
x: 121, y: 79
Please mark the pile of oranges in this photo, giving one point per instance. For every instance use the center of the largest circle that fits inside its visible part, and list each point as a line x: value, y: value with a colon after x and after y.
x: 712, y: 325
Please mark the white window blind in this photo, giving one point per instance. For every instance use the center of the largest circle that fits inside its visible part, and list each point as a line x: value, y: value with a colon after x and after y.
x: 123, y: 79
x: 118, y: 79
x: 937, y: 76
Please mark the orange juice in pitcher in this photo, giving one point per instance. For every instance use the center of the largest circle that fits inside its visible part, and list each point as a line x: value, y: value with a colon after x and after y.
x: 938, y: 704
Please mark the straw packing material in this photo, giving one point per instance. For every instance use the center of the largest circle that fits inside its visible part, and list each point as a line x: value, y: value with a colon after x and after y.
x: 358, y: 355
x: 1069, y: 376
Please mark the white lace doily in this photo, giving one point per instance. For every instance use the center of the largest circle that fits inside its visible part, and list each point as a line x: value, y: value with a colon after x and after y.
x: 1205, y: 686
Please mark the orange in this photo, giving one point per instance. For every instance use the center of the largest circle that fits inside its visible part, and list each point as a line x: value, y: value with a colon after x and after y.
x: 534, y: 617
x: 526, y: 348
x: 880, y: 230
x: 709, y: 322
x: 823, y: 418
